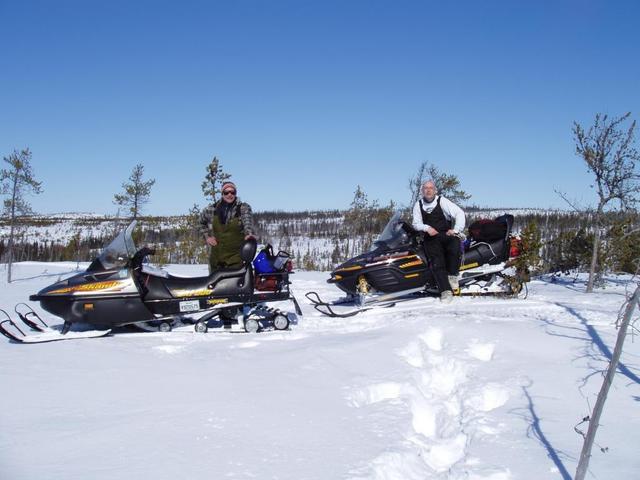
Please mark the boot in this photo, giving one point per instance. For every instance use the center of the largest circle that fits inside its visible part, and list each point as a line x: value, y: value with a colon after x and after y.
x: 455, y: 286
x: 446, y: 296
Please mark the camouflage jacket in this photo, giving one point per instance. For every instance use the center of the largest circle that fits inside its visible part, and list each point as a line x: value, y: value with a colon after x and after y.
x: 239, y: 209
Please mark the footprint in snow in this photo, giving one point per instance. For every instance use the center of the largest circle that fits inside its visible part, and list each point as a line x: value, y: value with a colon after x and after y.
x: 376, y: 393
x: 445, y: 376
x: 412, y: 353
x: 424, y: 416
x: 443, y: 455
x: 481, y: 351
x: 487, y: 397
x: 433, y: 339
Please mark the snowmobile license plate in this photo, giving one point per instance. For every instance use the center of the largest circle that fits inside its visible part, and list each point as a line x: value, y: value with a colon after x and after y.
x: 189, y: 306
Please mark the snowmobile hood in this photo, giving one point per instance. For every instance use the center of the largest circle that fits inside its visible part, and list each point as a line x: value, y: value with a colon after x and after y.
x: 363, y: 262
x: 89, y: 284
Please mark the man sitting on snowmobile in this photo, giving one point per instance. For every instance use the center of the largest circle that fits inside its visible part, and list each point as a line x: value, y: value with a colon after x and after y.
x: 433, y: 214
x: 225, y: 226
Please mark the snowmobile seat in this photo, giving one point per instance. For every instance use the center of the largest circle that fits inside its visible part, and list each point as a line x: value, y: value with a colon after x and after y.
x: 223, y: 281
x: 480, y: 253
x: 159, y: 288
x: 490, y: 251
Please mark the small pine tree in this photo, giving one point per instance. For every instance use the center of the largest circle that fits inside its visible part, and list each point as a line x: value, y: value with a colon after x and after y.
x: 192, y: 247
x: 335, y: 254
x: 214, y: 180
x: 359, y: 215
x: 624, y: 247
x: 16, y: 182
x: 136, y: 193
x: 529, y: 258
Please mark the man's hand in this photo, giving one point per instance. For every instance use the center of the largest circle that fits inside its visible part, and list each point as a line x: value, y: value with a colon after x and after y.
x: 451, y: 233
x: 431, y: 231
x: 212, y: 241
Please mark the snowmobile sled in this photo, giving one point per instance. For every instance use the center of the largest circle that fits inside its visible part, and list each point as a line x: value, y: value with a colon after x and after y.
x: 119, y: 288
x: 396, y: 269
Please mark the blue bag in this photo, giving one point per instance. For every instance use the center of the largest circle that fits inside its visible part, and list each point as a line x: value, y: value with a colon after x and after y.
x: 263, y: 263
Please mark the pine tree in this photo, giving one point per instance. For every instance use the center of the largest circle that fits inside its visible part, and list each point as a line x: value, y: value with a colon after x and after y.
x: 624, y: 246
x: 215, y: 178
x: 359, y: 216
x: 192, y: 248
x: 17, y: 181
x: 529, y: 258
x: 136, y: 193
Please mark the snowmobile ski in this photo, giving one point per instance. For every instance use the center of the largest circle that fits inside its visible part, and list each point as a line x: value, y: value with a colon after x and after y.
x: 31, y: 318
x: 326, y: 309
x: 49, y: 335
x: 361, y: 303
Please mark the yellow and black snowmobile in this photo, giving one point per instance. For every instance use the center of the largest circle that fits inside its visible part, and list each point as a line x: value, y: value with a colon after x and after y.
x: 396, y: 269
x: 119, y: 288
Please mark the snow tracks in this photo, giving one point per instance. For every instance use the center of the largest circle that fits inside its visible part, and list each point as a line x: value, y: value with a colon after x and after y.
x: 447, y: 407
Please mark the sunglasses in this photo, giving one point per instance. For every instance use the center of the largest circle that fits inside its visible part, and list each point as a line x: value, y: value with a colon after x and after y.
x: 229, y: 192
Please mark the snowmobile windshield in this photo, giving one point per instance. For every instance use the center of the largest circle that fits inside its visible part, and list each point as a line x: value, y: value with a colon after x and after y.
x: 118, y: 252
x: 393, y: 234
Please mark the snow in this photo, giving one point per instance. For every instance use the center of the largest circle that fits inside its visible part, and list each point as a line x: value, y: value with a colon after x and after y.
x: 480, y: 389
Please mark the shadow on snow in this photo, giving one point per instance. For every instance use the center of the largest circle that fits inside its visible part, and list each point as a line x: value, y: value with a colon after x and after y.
x: 535, y: 430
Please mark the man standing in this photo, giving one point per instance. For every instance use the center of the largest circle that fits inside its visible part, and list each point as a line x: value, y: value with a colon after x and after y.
x: 442, y: 221
x: 225, y: 226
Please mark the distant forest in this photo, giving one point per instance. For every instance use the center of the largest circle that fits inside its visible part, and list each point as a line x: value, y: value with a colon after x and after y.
x: 320, y: 240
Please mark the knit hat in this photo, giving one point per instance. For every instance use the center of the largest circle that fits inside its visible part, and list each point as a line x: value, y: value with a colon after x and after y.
x: 230, y: 184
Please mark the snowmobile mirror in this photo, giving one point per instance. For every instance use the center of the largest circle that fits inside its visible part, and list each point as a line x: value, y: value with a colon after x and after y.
x: 248, y: 250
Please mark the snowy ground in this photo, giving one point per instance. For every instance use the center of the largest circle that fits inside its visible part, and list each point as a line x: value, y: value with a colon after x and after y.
x: 483, y: 388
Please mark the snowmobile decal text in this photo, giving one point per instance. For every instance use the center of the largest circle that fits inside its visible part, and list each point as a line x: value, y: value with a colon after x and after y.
x: 411, y: 264
x: 389, y: 259
x: 349, y: 269
x: 215, y: 301
x: 203, y: 292
x: 92, y: 287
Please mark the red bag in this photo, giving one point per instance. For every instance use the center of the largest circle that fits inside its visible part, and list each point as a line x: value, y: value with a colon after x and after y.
x: 266, y: 283
x: 515, y: 247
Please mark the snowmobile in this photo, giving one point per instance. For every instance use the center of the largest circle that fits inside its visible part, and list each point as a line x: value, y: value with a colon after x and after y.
x: 120, y: 288
x: 396, y: 269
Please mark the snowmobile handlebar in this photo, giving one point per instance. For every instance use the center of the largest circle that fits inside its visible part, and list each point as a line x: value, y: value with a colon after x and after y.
x: 408, y: 228
x: 138, y: 258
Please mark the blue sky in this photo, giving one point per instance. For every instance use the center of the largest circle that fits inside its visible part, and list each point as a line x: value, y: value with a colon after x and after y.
x: 304, y: 100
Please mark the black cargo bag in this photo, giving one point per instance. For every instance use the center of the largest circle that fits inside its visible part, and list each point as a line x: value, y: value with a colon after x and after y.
x: 485, y: 230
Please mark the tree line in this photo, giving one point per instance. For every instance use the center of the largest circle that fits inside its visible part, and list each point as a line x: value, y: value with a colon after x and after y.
x: 320, y: 240
x: 601, y: 238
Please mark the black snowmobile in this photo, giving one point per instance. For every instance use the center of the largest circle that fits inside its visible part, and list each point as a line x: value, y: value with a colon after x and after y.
x: 396, y: 269
x: 119, y: 288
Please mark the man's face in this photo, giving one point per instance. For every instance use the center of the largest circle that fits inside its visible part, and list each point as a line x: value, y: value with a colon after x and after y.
x: 229, y: 194
x: 429, y: 191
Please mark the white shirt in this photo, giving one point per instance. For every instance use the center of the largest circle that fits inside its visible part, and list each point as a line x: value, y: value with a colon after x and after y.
x: 452, y: 212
